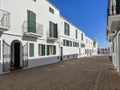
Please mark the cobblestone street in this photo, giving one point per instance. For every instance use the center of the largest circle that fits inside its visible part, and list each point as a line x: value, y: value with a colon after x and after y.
x: 89, y: 73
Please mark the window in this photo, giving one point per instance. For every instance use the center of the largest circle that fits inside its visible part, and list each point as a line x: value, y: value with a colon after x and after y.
x: 31, y: 50
x: 41, y: 50
x: 70, y: 43
x: 67, y: 43
x: 64, y: 42
x: 34, y: 0
x: 82, y: 45
x: 31, y: 16
x: 53, y: 32
x: 76, y: 34
x: 82, y: 36
x: 51, y: 10
x: 51, y: 50
x: 118, y: 6
x: 86, y: 41
x: 75, y: 44
x: 54, y: 50
x: 66, y: 29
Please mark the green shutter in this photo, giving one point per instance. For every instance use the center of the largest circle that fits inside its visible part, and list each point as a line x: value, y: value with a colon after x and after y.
x: 51, y: 10
x: 82, y: 36
x: 43, y: 50
x: 51, y: 29
x: 54, y: 50
x: 63, y: 42
x: 39, y: 49
x: 76, y: 34
x: 55, y: 31
x: 31, y: 21
x: 48, y: 49
x: 66, y: 29
x: 31, y: 50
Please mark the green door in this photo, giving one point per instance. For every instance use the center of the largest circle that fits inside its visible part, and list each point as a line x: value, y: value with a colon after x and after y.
x: 31, y: 21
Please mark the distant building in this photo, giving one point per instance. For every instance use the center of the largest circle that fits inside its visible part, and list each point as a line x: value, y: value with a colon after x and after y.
x: 104, y: 50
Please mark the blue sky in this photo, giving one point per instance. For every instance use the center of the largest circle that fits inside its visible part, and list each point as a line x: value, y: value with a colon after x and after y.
x: 89, y: 15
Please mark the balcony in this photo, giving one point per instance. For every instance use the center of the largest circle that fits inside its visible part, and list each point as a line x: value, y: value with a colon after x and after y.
x: 114, y: 22
x: 52, y: 36
x: 111, y: 35
x: 4, y: 20
x: 32, y: 29
x: 114, y: 16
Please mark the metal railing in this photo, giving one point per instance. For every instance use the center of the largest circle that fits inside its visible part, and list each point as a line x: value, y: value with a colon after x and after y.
x: 32, y: 27
x: 52, y: 34
x: 4, y: 18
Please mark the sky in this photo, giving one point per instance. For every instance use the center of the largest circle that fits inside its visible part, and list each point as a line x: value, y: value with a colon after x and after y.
x: 89, y: 15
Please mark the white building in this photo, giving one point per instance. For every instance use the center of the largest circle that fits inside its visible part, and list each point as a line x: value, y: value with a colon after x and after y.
x: 113, y: 31
x: 104, y: 50
x: 33, y: 33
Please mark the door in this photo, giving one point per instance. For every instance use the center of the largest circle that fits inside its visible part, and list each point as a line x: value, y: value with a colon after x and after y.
x: 31, y: 21
x: 25, y: 55
x: 17, y: 54
x: 61, y: 56
x: 6, y: 56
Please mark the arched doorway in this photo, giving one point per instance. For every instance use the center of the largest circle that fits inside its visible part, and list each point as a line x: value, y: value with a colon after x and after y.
x: 16, y: 55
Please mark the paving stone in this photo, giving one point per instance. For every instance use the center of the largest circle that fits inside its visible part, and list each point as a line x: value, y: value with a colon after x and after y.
x: 78, y: 74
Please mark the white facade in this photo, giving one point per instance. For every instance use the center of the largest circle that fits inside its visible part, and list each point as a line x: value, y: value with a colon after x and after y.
x: 113, y: 31
x: 39, y: 47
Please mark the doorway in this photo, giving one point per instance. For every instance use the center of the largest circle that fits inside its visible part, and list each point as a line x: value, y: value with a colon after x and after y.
x: 15, y: 55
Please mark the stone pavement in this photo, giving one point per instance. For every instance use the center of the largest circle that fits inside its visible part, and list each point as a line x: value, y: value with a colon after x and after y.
x: 89, y: 73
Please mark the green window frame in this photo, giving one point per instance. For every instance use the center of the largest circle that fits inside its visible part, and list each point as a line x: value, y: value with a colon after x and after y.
x: 64, y: 42
x: 66, y: 29
x: 67, y: 43
x: 41, y: 50
x: 51, y: 10
x: 31, y: 50
x: 54, y: 50
x: 82, y: 45
x: 51, y: 49
x: 31, y: 19
x: 76, y: 34
x: 75, y: 44
x: 71, y: 43
x: 53, y: 30
x: 82, y: 36
x: 48, y: 49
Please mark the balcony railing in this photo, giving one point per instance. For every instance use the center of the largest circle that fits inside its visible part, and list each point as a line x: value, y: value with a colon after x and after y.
x: 114, y: 7
x: 4, y: 20
x: 32, y: 29
x: 52, y: 35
